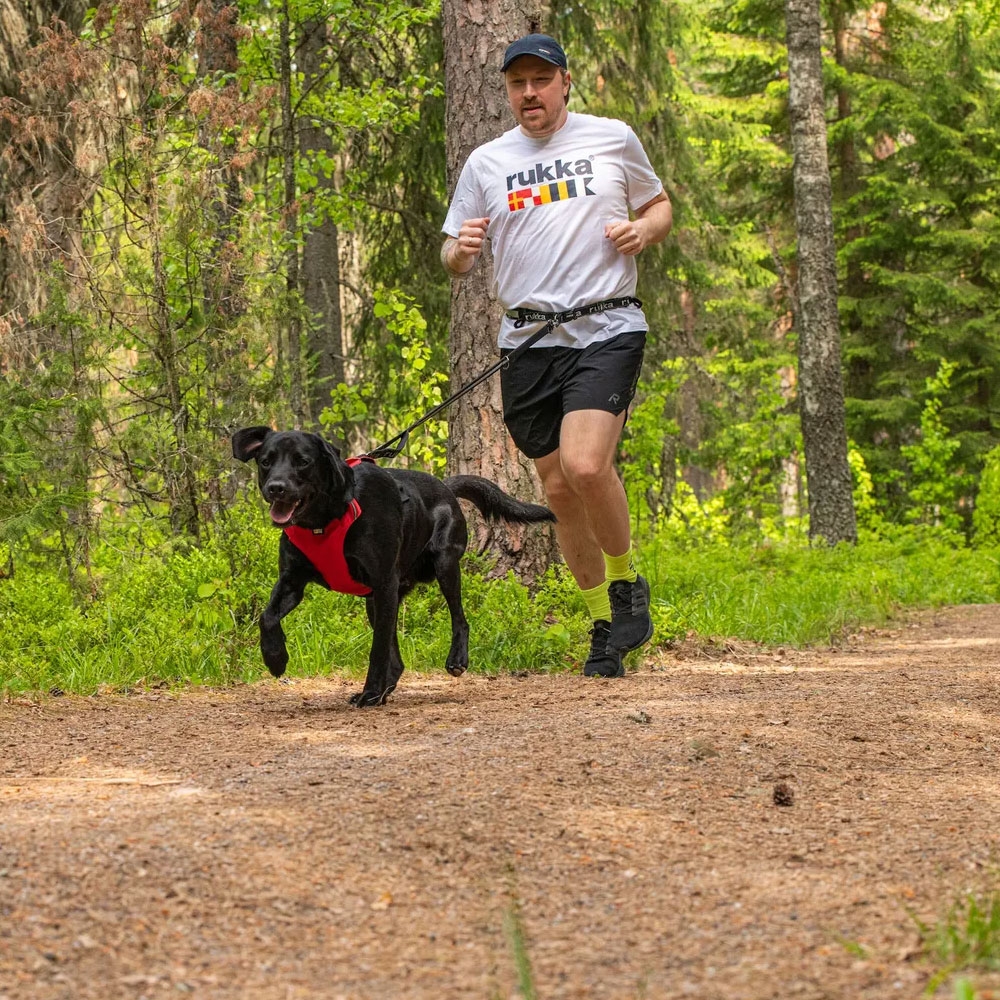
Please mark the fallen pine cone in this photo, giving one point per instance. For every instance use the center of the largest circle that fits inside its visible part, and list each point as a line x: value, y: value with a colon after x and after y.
x: 783, y: 794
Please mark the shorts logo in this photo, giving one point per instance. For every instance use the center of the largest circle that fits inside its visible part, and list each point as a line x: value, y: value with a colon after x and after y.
x: 614, y: 398
x: 562, y: 177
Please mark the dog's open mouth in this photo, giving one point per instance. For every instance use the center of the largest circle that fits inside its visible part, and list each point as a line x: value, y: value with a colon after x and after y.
x: 282, y: 511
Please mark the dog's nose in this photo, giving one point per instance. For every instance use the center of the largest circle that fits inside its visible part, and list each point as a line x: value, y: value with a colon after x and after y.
x: 275, y: 489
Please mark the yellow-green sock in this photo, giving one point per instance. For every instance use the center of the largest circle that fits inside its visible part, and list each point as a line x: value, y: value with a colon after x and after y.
x: 620, y: 567
x: 598, y: 602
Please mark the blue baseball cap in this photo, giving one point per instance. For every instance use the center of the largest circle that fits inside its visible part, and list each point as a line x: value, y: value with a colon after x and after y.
x: 543, y: 46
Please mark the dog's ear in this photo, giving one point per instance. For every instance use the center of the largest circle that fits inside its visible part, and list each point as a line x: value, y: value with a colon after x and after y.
x: 338, y: 467
x: 248, y: 441
x: 329, y: 448
x: 341, y: 474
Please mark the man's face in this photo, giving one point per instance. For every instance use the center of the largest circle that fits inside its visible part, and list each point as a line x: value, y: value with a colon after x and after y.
x: 537, y: 93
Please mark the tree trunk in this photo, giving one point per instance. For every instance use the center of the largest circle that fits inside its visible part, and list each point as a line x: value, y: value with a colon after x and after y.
x: 475, y: 36
x: 847, y: 156
x: 43, y: 189
x: 821, y: 387
x: 289, y: 145
x: 320, y: 246
x: 222, y: 273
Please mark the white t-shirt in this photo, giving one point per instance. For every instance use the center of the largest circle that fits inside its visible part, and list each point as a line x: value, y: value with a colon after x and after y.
x: 548, y: 201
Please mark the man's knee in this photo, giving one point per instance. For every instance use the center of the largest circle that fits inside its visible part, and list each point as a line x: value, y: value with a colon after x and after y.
x: 557, y: 488
x: 584, y: 473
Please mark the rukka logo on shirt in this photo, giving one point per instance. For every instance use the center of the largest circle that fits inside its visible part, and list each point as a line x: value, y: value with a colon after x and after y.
x: 546, y: 183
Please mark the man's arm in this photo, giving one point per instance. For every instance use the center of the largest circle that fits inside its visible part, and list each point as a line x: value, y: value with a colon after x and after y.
x: 460, y: 253
x: 651, y: 224
x: 657, y: 216
x: 456, y: 268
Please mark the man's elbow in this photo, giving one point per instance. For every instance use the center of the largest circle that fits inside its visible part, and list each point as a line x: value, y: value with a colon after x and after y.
x: 659, y: 217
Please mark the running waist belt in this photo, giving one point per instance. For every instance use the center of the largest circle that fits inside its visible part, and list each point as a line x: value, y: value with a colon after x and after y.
x: 522, y: 316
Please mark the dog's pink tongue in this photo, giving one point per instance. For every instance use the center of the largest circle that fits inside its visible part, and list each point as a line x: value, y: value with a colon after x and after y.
x: 281, y: 513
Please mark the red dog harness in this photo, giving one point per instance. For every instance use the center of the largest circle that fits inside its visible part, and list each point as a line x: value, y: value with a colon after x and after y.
x: 324, y: 548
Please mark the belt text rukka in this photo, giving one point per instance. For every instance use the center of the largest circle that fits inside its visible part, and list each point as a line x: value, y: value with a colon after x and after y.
x: 522, y: 316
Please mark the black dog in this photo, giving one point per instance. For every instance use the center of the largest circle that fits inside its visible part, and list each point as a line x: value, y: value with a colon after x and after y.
x: 396, y: 528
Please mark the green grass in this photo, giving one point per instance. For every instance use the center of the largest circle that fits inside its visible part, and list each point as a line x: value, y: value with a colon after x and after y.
x: 179, y: 614
x: 513, y: 927
x: 966, y: 938
x: 790, y: 594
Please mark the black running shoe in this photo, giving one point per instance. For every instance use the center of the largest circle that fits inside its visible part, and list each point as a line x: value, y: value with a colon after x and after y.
x: 631, y: 626
x: 603, y: 661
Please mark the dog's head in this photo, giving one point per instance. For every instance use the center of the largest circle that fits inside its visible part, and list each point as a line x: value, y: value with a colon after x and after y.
x: 300, y: 475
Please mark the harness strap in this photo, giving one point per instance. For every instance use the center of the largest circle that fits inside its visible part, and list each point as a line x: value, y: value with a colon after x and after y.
x: 522, y: 316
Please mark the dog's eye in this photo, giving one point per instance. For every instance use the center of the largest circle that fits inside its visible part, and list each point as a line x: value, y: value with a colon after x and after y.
x: 301, y: 461
x: 264, y: 463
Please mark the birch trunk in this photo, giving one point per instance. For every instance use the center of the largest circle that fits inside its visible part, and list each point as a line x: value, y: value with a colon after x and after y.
x: 821, y: 387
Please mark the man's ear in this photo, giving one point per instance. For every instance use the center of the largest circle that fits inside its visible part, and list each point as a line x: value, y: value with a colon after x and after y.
x: 247, y: 442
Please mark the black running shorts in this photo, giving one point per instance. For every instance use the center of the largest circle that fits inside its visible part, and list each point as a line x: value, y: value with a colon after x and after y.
x: 543, y: 384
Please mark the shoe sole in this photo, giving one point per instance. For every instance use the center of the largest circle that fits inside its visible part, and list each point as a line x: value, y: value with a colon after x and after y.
x: 620, y: 673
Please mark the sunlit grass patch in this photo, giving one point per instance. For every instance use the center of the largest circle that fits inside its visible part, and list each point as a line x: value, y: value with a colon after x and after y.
x: 965, y: 939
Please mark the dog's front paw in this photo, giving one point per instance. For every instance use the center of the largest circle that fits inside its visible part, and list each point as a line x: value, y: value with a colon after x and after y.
x: 275, y: 659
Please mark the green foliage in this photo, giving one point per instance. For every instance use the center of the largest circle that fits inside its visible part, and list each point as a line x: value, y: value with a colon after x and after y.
x: 415, y: 389
x: 964, y: 990
x: 750, y: 438
x: 986, y: 516
x: 865, y: 505
x: 517, y: 941
x: 784, y: 592
x: 29, y: 503
x: 918, y: 231
x: 966, y: 938
x: 935, y: 484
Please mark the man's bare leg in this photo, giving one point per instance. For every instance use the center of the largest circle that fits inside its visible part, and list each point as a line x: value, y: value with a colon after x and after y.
x: 585, y: 493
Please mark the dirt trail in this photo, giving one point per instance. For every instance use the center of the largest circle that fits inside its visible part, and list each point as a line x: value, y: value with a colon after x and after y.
x: 270, y: 842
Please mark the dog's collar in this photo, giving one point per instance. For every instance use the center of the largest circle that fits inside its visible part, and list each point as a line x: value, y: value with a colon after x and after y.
x: 339, y: 524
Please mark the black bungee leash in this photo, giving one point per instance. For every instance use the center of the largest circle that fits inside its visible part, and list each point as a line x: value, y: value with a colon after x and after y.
x: 549, y: 320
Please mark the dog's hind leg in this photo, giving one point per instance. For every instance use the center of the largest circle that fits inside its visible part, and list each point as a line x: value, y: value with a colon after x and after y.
x: 449, y: 578
x: 382, y: 608
x: 396, y: 665
x: 446, y: 548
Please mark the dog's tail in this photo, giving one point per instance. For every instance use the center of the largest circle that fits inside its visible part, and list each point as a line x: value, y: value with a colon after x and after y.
x: 493, y: 503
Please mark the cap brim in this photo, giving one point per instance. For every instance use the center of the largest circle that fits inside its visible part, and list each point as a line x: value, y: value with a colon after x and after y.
x: 537, y: 55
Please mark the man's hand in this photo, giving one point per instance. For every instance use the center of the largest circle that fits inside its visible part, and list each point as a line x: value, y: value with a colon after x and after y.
x: 627, y: 237
x: 651, y: 224
x: 459, y: 254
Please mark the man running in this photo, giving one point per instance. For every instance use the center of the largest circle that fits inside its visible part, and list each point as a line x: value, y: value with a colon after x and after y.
x: 567, y: 201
